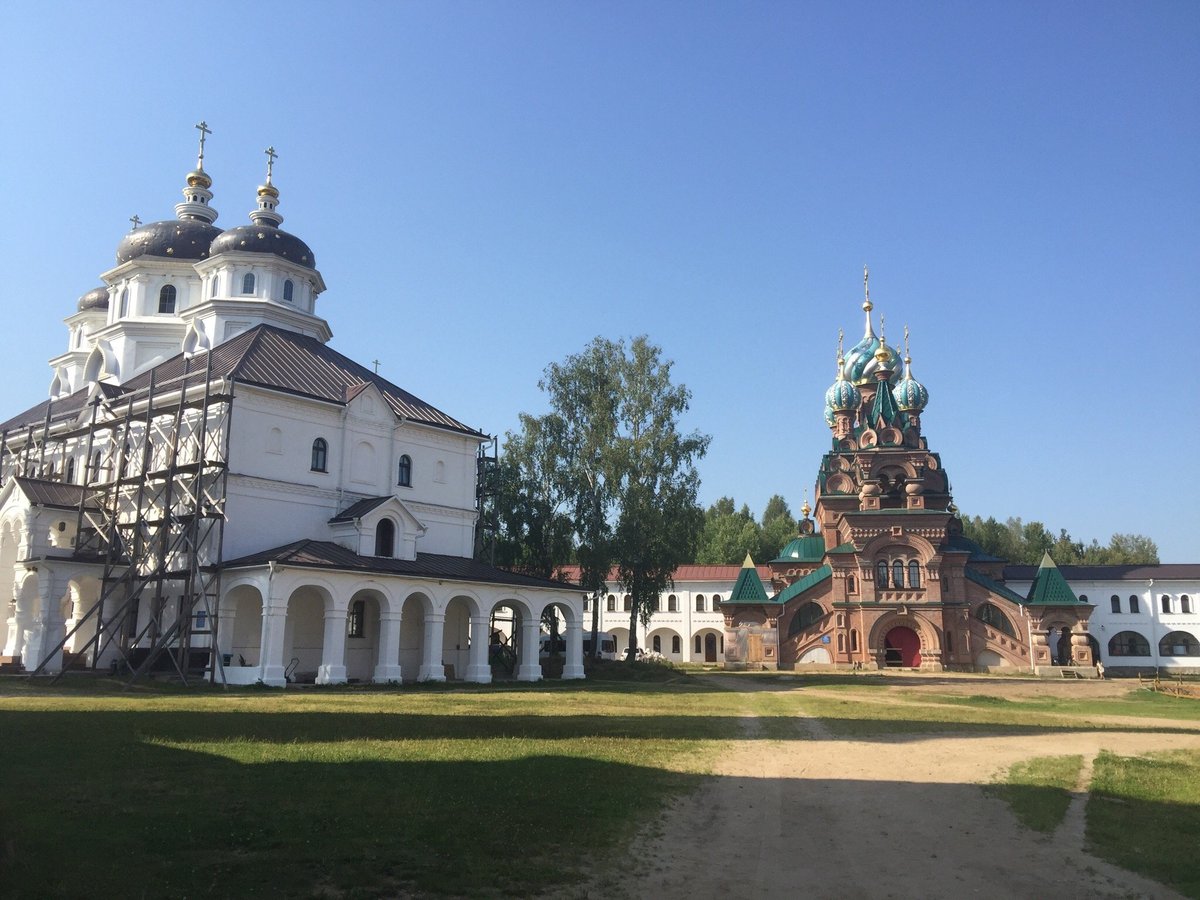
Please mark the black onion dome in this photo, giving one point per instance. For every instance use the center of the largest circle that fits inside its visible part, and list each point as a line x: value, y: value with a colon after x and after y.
x: 174, y: 239
x: 265, y: 239
x: 96, y: 298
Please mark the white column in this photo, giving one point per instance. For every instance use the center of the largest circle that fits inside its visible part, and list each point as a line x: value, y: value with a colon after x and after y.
x: 273, y: 624
x: 50, y: 629
x: 574, y: 666
x: 431, y: 653
x: 387, y: 669
x: 225, y: 619
x: 333, y: 647
x: 22, y: 612
x: 479, y: 670
x: 530, y: 668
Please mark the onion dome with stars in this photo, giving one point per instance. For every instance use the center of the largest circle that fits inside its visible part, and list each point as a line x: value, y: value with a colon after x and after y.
x: 910, y: 394
x: 264, y: 234
x: 862, y: 362
x: 96, y: 298
x: 190, y: 234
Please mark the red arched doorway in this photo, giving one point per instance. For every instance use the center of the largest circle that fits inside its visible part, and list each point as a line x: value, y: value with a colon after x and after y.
x: 902, y: 648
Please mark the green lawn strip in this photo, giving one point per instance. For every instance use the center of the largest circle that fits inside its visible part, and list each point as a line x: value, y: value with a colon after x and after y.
x: 280, y: 794
x: 1136, y: 704
x: 1144, y: 815
x: 1039, y: 790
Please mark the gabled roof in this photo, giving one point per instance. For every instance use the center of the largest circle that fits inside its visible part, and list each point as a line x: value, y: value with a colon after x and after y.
x: 994, y: 586
x: 798, y: 587
x: 57, y: 495
x: 749, y: 587
x: 270, y: 357
x: 309, y: 554
x: 684, y: 573
x: 359, y: 509
x: 1049, y: 587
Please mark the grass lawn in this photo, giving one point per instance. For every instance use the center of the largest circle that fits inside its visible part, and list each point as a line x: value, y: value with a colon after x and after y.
x: 505, y: 790
x: 1039, y: 790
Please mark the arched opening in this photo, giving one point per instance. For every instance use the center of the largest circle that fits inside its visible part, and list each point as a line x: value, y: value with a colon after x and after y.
x: 362, y: 635
x: 808, y: 614
x: 1179, y: 643
x: 320, y: 455
x: 1128, y: 643
x: 288, y: 291
x: 990, y: 615
x: 456, y: 638
x: 902, y: 648
x: 667, y: 643
x: 245, y: 626
x: 385, y: 538
x: 412, y: 635
x: 166, y: 300
x: 710, y: 647
x: 248, y: 283
x: 404, y: 471
x: 304, y: 634
x: 1063, y: 648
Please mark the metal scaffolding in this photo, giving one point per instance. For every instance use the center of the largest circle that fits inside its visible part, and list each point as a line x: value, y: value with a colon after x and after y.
x: 150, y: 518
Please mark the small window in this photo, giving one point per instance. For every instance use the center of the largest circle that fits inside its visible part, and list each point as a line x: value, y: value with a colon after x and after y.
x: 881, y: 574
x: 612, y: 603
x: 657, y: 643
x: 355, y: 624
x: 200, y: 620
x: 1083, y: 598
x: 1185, y: 603
x: 699, y: 603
x: 673, y: 604
x: 288, y: 291
x: 320, y: 455
x: 853, y: 640
x: 676, y: 647
x: 658, y: 603
x: 841, y: 620
x: 123, y: 309
x: 716, y: 602
x: 1134, y: 606
x: 898, y: 573
x: 385, y: 538
x: 849, y: 584
x: 628, y: 603
x: 248, y: 283
x: 914, y: 574
x: 1116, y: 603
x: 96, y: 467
x: 698, y: 645
x: 841, y: 643
x: 71, y: 470
x: 212, y: 291
x: 404, y: 471
x: 166, y: 300
x: 1166, y: 603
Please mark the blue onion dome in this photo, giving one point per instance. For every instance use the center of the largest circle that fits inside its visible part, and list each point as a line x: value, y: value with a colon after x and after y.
x: 830, y: 419
x: 263, y: 238
x: 910, y: 394
x: 863, y: 361
x: 96, y: 298
x: 173, y: 239
x: 842, y: 396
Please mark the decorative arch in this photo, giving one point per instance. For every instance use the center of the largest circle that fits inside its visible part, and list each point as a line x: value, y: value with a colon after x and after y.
x: 991, y: 615
x: 929, y: 634
x: 808, y: 614
x: 1128, y: 643
x: 1179, y: 643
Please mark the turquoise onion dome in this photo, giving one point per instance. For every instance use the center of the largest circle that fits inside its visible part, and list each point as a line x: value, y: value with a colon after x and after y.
x: 842, y: 396
x: 910, y: 394
x: 862, y: 361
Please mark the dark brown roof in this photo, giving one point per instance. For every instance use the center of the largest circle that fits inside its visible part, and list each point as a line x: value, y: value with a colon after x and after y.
x: 359, y: 509
x: 55, y: 494
x: 1165, y: 571
x: 327, y: 555
x: 273, y: 358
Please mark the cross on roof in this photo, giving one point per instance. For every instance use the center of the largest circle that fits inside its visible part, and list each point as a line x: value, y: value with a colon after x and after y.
x: 271, y: 157
x: 375, y: 363
x: 135, y: 220
x: 205, y: 131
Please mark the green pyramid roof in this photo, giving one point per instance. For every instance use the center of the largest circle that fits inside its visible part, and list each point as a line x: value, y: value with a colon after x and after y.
x: 1049, y: 587
x: 749, y: 587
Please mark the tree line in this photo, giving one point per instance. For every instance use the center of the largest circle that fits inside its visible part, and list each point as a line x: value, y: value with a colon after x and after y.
x: 1026, y: 542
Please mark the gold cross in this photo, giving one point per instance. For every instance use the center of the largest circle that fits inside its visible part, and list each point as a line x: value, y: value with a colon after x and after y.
x: 205, y: 131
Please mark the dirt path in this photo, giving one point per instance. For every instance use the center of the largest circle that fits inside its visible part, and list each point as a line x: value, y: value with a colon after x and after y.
x: 900, y: 817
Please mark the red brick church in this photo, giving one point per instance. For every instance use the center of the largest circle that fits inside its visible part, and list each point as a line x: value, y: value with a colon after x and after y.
x: 881, y: 575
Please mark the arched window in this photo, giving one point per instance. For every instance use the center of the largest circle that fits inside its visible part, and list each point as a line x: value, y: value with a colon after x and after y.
x: 898, y: 573
x: 320, y: 455
x: 841, y: 643
x: 881, y: 573
x: 628, y: 603
x: 123, y: 308
x: 385, y: 538
x: 676, y: 647
x: 612, y: 603
x: 96, y: 467
x: 657, y: 643
x: 71, y: 470
x: 166, y: 300
x: 1166, y: 603
x: 672, y: 604
x: 853, y: 640
x: 355, y: 622
x: 212, y: 291
x: 716, y: 603
x: 404, y: 471
x: 808, y: 614
x: 288, y: 290
x: 1083, y: 598
x: 699, y: 645
x: 990, y: 615
x: 841, y: 620
x: 849, y: 584
x: 248, y: 283
x: 1128, y: 643
x: 1134, y: 606
x: 1179, y: 643
x: 699, y: 603
x: 914, y: 574
x: 1185, y: 603
x: 1116, y: 603
x: 658, y: 603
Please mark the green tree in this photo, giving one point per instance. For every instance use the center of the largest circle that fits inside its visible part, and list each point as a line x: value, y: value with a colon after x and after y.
x: 728, y: 534
x: 778, y: 527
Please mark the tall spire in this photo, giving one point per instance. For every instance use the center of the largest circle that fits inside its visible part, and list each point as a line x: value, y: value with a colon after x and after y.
x: 268, y: 196
x: 867, y: 305
x: 196, y: 193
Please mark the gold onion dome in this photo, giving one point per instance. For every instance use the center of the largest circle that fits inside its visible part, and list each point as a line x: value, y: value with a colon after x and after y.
x: 199, y: 178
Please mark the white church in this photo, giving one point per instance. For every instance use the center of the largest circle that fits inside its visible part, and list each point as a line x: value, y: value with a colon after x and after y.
x: 212, y: 490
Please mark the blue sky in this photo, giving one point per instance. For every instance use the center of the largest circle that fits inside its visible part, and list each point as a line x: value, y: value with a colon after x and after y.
x: 487, y: 186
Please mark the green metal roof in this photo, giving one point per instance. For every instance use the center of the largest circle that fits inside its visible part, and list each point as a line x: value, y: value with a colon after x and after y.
x: 749, y: 587
x: 805, y: 548
x: 994, y: 586
x: 847, y: 547
x: 796, y: 588
x: 1049, y: 587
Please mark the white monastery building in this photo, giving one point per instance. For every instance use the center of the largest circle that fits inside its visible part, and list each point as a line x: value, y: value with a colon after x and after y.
x: 211, y: 488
